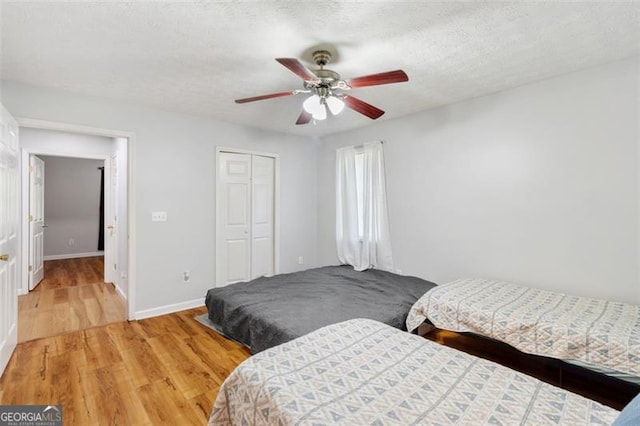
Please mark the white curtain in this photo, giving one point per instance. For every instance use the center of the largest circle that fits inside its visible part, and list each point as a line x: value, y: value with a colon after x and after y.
x: 362, y: 224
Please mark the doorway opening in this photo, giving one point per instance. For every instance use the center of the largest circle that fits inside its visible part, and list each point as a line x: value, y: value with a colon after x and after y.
x: 75, y: 275
x: 68, y: 286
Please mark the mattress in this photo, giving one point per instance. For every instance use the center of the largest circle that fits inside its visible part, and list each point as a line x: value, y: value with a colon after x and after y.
x: 364, y: 372
x: 271, y: 310
x: 593, y: 331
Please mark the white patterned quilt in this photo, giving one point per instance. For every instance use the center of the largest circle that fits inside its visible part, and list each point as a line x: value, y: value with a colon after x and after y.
x: 535, y: 321
x: 362, y: 372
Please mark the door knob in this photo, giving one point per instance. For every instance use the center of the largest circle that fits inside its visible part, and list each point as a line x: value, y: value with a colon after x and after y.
x: 4, y: 257
x: 44, y: 225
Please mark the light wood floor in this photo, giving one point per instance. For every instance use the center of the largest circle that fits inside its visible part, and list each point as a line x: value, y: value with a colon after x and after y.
x: 162, y: 370
x: 71, y: 297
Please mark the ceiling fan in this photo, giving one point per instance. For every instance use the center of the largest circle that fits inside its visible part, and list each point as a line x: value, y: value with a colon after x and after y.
x: 327, y: 88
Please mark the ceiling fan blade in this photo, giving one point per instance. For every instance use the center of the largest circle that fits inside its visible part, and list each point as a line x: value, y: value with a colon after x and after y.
x: 388, y: 77
x: 299, y: 69
x: 362, y: 107
x: 304, y: 118
x: 269, y: 96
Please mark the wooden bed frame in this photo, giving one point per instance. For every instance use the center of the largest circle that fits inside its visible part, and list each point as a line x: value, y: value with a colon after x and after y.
x: 615, y: 393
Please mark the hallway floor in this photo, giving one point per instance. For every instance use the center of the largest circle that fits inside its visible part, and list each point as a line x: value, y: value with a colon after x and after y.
x: 72, y: 296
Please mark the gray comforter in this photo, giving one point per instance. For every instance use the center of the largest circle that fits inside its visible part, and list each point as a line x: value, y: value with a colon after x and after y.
x: 268, y: 311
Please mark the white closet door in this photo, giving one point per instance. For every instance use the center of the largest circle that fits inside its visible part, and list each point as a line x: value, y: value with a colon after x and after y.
x: 233, y: 258
x: 245, y: 217
x: 262, y: 216
x: 8, y: 236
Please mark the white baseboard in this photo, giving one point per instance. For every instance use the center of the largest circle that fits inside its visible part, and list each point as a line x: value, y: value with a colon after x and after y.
x: 119, y: 290
x: 72, y: 255
x: 169, y: 309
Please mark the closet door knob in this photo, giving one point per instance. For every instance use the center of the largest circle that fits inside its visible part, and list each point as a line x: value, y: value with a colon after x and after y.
x: 4, y: 257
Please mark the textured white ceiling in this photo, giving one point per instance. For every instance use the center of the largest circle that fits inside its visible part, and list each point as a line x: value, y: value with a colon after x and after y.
x: 198, y: 57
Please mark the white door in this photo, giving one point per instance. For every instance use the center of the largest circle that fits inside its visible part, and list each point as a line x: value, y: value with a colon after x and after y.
x: 8, y: 236
x: 36, y: 221
x: 233, y: 262
x: 111, y: 224
x: 262, y: 177
x: 245, y: 212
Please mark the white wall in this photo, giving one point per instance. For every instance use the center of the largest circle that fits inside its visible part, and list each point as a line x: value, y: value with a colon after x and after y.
x: 174, y: 172
x: 71, y: 205
x: 537, y: 185
x: 65, y: 144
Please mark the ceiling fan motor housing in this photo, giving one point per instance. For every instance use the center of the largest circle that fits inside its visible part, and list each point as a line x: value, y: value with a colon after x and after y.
x: 321, y: 57
x: 327, y: 76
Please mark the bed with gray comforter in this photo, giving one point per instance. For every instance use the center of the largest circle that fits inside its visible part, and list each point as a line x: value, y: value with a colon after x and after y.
x: 268, y: 311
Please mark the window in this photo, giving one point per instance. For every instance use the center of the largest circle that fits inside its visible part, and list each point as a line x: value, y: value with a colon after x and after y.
x: 362, y: 228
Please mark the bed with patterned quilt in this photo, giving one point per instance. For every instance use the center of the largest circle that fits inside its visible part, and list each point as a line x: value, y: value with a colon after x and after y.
x: 361, y: 372
x: 556, y: 325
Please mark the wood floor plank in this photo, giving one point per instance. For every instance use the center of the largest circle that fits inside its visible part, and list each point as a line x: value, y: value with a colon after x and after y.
x: 192, y: 378
x: 81, y: 403
x: 203, y: 403
x: 129, y: 392
x: 182, y: 405
x: 62, y: 314
x: 100, y: 350
x: 60, y: 296
x: 72, y: 272
x: 111, y: 406
x: 58, y: 375
x: 163, y: 370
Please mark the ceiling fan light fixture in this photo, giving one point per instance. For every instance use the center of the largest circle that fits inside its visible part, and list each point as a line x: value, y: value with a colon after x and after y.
x: 315, y: 105
x: 312, y: 104
x: 320, y: 113
x: 335, y: 104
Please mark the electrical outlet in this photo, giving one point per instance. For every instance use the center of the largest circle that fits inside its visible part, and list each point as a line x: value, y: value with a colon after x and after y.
x: 186, y: 276
x: 158, y: 216
x: 71, y: 241
x: 300, y: 260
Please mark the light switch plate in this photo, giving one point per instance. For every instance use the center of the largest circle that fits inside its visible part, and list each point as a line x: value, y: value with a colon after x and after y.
x: 158, y: 216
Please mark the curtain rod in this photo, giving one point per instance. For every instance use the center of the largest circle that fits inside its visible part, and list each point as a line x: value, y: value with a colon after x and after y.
x: 362, y: 145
